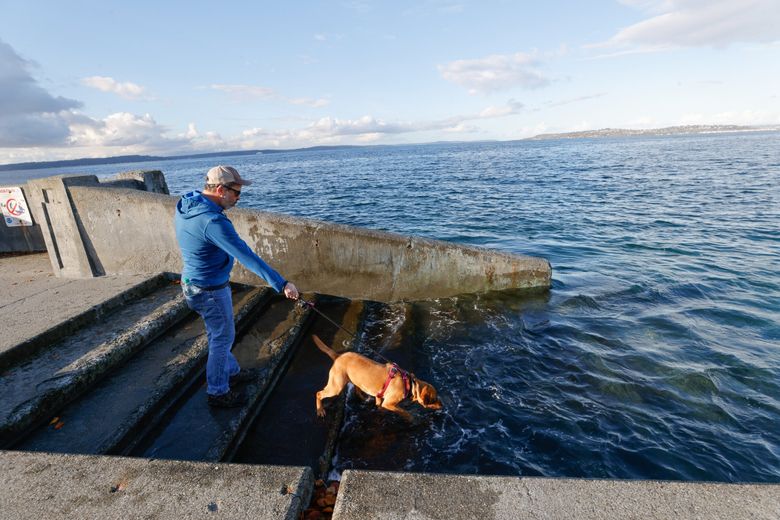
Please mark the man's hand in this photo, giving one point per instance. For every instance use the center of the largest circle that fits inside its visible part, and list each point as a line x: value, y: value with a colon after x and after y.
x: 291, y: 291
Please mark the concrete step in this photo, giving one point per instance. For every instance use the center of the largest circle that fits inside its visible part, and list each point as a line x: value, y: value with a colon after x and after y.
x: 287, y: 430
x: 37, y: 387
x: 110, y: 416
x: 44, y: 309
x: 46, y: 485
x: 195, y: 431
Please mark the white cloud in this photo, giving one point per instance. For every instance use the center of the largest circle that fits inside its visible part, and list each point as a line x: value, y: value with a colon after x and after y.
x: 123, y: 130
x: 512, y: 107
x: 698, y: 23
x: 117, y: 134
x: 29, y: 115
x: 461, y: 128
x: 367, y: 129
x: 245, y: 93
x: 369, y: 138
x: 126, y: 90
x: 495, y: 72
x: 575, y: 100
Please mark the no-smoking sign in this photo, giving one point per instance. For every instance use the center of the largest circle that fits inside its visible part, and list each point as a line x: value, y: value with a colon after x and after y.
x: 14, y: 207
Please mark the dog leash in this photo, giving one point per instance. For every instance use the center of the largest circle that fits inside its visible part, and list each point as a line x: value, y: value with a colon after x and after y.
x: 408, y: 377
x: 310, y: 305
x: 303, y: 303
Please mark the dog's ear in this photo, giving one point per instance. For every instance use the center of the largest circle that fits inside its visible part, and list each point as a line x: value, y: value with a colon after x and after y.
x: 428, y: 395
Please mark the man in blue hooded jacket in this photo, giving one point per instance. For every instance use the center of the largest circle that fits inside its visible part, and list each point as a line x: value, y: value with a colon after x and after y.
x: 209, y: 243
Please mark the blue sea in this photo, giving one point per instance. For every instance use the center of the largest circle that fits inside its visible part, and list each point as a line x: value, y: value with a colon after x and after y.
x: 656, y: 354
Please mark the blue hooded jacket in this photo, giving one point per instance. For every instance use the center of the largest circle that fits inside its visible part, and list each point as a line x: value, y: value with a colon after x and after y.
x: 209, y: 243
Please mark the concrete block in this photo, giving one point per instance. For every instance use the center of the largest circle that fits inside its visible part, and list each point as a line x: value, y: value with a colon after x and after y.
x: 146, y: 180
x: 51, y: 207
x: 366, y: 495
x: 42, y: 485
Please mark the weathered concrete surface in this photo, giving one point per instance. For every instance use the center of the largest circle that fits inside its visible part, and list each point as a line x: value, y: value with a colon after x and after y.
x: 69, y: 249
x: 112, y: 415
x: 39, y: 485
x: 365, y: 495
x: 34, y: 390
x: 132, y: 231
x: 146, y: 180
x: 38, y: 308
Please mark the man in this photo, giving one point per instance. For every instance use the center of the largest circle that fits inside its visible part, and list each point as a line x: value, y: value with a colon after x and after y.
x: 209, y: 243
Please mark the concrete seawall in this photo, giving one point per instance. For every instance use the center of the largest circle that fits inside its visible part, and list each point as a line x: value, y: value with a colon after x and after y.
x: 94, y: 228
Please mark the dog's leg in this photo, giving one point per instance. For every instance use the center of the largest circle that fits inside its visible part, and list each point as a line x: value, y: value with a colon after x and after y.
x: 336, y: 383
x: 400, y: 411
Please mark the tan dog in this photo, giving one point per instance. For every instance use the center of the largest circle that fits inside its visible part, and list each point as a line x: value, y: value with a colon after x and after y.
x: 370, y: 377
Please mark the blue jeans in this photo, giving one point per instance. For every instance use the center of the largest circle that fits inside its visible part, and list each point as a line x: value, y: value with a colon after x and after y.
x: 216, y: 309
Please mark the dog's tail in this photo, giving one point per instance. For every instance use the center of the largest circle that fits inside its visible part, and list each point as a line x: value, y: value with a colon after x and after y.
x: 332, y: 354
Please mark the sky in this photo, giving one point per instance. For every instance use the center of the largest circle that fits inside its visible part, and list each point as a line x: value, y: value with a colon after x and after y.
x: 99, y: 79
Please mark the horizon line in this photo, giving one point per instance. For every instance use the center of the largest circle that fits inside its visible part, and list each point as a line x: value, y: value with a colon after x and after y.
x: 579, y: 134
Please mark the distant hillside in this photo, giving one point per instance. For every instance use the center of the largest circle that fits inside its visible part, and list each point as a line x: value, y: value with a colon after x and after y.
x: 669, y: 130
x: 146, y: 158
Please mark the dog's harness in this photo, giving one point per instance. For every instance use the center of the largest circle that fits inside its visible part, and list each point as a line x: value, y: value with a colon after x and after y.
x: 406, y: 376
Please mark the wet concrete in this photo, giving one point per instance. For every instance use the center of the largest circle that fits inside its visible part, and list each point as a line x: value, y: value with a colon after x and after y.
x: 36, y: 388
x: 287, y: 430
x: 37, y: 308
x: 107, y: 418
x: 196, y: 431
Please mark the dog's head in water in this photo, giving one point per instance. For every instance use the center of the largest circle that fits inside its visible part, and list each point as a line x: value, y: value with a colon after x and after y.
x: 425, y: 394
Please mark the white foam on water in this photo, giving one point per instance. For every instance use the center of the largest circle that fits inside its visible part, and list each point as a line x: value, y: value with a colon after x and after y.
x: 334, y: 474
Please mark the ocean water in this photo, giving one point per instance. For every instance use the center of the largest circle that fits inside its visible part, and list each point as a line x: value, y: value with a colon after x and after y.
x: 656, y: 354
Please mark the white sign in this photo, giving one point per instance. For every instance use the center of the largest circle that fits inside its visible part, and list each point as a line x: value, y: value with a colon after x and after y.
x: 14, y: 207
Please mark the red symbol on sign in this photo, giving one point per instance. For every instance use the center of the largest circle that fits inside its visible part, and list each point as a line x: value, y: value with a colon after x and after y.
x: 14, y: 208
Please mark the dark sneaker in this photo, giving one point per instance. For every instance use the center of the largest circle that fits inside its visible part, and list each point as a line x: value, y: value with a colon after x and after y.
x: 231, y: 399
x: 246, y: 374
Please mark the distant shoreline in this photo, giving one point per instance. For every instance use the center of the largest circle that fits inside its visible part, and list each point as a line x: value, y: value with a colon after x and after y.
x: 669, y: 130
x: 145, y: 158
x: 585, y: 134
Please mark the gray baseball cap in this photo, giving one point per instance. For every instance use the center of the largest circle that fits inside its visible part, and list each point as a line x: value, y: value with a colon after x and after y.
x: 225, y: 175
